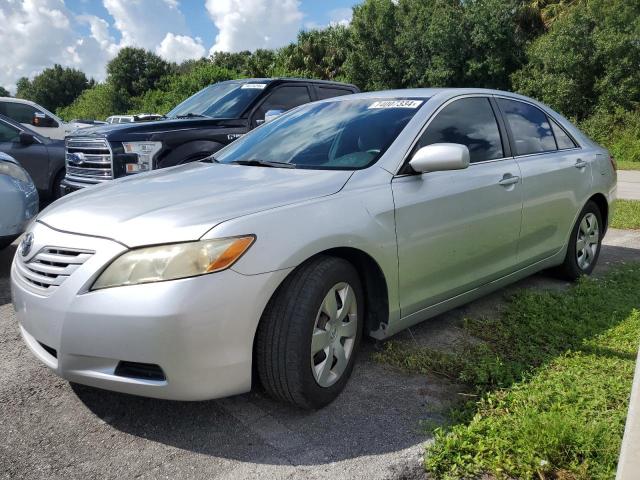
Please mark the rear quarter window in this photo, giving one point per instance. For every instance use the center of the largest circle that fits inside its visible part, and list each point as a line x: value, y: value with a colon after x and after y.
x: 529, y: 126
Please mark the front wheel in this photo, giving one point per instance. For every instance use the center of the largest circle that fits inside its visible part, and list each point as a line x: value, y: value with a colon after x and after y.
x: 309, y: 334
x: 584, y: 244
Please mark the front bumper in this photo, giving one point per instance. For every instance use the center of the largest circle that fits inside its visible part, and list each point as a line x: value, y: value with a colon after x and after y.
x: 199, y: 331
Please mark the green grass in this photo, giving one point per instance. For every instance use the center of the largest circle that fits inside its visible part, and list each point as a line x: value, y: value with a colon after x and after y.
x: 625, y: 165
x: 552, y: 375
x: 627, y: 214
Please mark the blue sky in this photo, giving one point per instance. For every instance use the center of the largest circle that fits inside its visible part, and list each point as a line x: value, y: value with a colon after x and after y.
x: 316, y: 13
x: 86, y: 34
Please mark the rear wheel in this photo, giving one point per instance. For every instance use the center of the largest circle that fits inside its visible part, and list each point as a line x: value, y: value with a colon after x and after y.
x: 310, y: 332
x: 584, y: 245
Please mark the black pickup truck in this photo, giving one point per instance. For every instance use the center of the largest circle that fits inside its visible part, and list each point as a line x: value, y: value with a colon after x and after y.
x: 198, y: 127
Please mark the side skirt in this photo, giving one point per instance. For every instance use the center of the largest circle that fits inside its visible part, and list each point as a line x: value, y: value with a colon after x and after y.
x: 463, y: 298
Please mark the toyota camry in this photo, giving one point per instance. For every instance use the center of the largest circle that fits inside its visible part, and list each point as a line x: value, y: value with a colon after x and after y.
x: 356, y: 216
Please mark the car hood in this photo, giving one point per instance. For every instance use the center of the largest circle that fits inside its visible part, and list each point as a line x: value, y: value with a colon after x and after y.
x: 124, y: 131
x: 183, y: 203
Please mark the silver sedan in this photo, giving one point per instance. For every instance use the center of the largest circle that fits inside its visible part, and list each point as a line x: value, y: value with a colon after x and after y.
x: 359, y: 215
x: 18, y: 199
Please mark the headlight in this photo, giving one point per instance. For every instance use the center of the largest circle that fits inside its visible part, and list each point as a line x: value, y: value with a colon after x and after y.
x: 14, y: 171
x: 170, y: 262
x: 145, y: 152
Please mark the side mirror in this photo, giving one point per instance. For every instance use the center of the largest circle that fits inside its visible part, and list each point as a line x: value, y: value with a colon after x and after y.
x: 439, y: 157
x: 272, y: 115
x: 26, y: 139
x: 43, y: 120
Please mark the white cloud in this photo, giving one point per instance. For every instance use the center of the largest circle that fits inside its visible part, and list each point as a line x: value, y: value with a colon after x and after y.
x: 340, y: 16
x: 145, y: 23
x: 251, y: 24
x: 35, y: 34
x: 177, y: 48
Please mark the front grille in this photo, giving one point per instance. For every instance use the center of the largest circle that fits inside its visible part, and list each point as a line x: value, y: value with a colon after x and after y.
x: 51, y: 266
x: 88, y: 160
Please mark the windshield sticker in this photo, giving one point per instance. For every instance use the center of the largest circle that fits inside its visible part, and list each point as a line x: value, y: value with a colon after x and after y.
x: 396, y: 104
x: 255, y: 86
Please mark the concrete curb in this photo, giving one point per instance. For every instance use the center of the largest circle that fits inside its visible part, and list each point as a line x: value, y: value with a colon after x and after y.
x: 629, y: 461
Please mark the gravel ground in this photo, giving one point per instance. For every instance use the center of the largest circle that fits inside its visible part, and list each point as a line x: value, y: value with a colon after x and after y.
x: 51, y: 429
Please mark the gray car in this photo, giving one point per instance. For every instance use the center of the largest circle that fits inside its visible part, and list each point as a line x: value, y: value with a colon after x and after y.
x: 42, y: 157
x: 359, y: 215
x: 18, y: 197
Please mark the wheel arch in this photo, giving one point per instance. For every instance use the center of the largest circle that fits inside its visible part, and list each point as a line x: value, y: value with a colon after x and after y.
x: 603, y: 205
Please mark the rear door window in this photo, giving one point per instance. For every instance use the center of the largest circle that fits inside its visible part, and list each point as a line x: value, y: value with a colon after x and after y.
x: 470, y: 122
x: 530, y: 127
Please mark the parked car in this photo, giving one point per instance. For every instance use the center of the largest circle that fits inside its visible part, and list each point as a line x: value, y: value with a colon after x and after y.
x: 120, y: 119
x: 42, y: 157
x: 141, y: 117
x: 361, y: 215
x: 87, y: 122
x: 18, y: 197
x: 198, y: 127
x: 36, y: 117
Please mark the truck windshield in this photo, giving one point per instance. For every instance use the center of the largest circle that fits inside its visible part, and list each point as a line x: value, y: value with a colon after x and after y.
x: 338, y: 135
x: 221, y: 100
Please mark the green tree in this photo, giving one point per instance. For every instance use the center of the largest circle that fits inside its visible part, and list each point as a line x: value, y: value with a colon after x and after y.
x: 496, y: 43
x: 318, y: 53
x: 54, y: 87
x: 175, y: 88
x: 588, y: 58
x: 4, y: 92
x: 96, y: 103
x: 435, y: 41
x: 135, y: 71
x: 375, y: 61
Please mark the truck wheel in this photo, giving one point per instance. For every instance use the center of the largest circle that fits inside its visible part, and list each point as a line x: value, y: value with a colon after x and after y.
x: 309, y: 334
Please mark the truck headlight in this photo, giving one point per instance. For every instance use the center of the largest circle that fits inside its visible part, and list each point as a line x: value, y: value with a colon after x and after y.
x: 145, y: 152
x: 173, y: 261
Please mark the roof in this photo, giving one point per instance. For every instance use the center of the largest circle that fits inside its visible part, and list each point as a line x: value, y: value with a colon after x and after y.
x: 291, y: 79
x: 17, y: 100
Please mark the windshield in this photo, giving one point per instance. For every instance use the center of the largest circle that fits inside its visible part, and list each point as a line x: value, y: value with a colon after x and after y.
x: 341, y: 135
x: 221, y: 100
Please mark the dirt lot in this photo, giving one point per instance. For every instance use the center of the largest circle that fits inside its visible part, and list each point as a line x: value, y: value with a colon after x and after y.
x: 51, y: 429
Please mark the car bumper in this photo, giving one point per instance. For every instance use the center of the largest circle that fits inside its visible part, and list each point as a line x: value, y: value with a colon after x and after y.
x: 198, y: 331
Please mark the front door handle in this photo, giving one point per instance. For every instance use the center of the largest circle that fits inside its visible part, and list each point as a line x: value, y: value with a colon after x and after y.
x: 580, y: 163
x: 509, y: 180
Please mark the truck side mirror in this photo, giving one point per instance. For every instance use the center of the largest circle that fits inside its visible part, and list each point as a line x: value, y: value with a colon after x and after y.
x: 43, y: 120
x: 26, y: 139
x: 272, y: 115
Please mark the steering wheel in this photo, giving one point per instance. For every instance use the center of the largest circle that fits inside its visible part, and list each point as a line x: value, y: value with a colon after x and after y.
x: 374, y: 151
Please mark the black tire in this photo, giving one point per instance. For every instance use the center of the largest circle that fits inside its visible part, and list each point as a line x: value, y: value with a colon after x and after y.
x: 56, y: 189
x: 283, y: 340
x: 571, y: 269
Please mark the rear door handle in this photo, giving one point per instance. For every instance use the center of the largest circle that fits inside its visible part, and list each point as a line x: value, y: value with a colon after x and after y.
x: 580, y: 163
x: 509, y: 180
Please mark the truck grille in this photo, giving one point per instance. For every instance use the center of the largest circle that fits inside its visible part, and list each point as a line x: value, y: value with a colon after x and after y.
x: 88, y: 160
x: 51, y: 266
